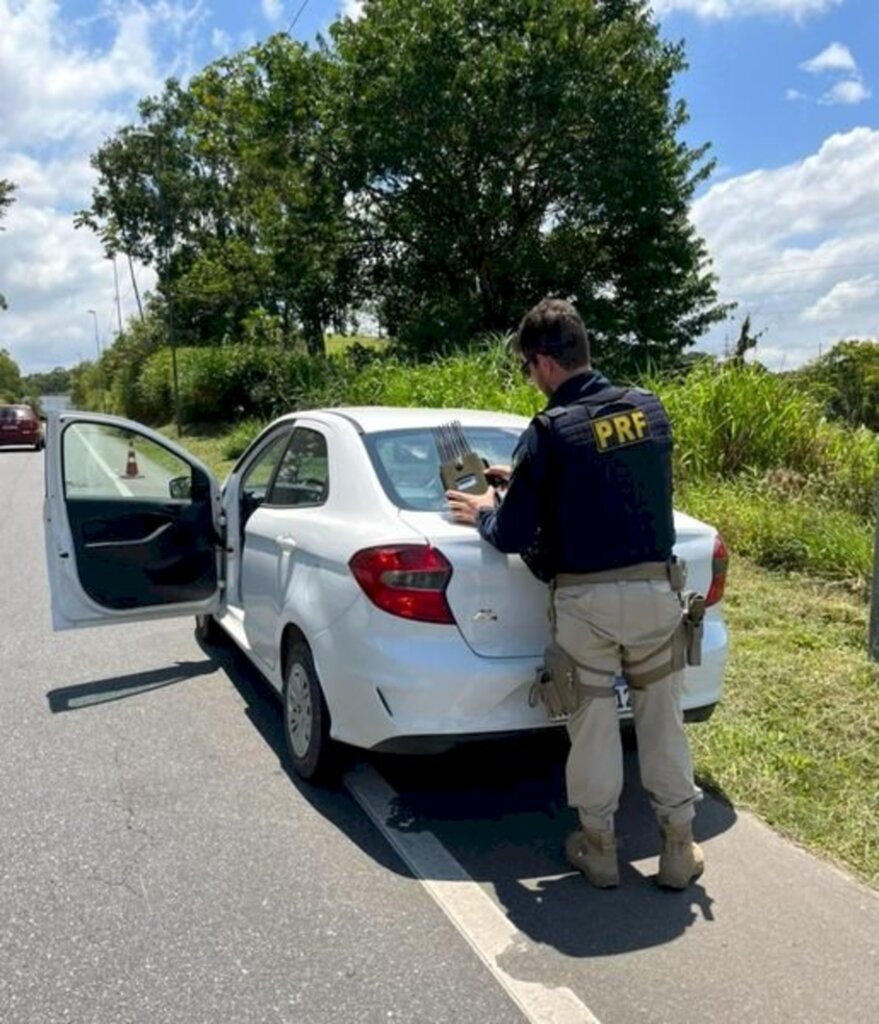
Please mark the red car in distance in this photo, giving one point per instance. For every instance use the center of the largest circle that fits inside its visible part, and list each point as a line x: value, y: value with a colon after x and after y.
x: 20, y: 425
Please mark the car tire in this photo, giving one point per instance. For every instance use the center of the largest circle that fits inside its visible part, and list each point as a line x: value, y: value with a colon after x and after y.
x: 306, y: 716
x: 700, y: 714
x: 208, y: 631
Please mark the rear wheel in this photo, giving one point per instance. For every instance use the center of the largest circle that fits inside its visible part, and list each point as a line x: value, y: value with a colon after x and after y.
x: 306, y: 716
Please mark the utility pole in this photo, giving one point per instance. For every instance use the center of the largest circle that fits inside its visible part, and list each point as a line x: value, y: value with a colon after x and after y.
x: 164, y: 242
x: 164, y: 259
x: 116, y: 284
x: 874, y: 601
x: 97, y: 339
x: 98, y: 361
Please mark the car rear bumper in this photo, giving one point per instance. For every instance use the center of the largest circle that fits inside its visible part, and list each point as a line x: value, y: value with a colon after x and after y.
x: 390, y: 682
x: 20, y: 440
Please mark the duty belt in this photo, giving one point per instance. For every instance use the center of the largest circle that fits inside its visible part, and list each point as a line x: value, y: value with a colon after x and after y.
x: 643, y: 571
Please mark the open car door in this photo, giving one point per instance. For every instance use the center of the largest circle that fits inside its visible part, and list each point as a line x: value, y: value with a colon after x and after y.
x: 133, y: 524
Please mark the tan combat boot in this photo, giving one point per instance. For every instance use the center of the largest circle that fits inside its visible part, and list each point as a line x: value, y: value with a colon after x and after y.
x: 681, y: 861
x: 595, y: 854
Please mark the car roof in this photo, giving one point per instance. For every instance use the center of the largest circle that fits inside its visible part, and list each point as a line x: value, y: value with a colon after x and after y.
x: 373, y: 419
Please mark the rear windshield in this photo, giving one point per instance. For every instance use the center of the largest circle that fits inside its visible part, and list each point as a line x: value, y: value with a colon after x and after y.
x: 11, y: 413
x: 407, y: 462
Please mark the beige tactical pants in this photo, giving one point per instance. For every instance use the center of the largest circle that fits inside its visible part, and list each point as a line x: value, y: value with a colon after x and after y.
x: 600, y: 624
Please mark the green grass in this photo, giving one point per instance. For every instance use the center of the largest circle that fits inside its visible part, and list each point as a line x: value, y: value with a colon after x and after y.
x: 340, y: 342
x: 208, y: 443
x: 795, y: 738
x: 780, y: 529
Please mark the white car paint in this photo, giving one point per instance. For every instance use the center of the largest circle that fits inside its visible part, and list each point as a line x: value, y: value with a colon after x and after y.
x: 384, y: 678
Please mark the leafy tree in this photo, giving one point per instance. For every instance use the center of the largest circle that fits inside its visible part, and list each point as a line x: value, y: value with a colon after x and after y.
x: 502, y: 150
x: 746, y: 342
x: 847, y: 379
x: 10, y: 378
x: 55, y: 382
x: 228, y: 188
x: 6, y: 200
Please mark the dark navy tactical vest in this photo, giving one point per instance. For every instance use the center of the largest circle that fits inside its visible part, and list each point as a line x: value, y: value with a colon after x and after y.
x: 609, y: 480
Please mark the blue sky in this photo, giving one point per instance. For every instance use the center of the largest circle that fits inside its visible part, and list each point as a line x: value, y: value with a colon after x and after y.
x: 785, y: 90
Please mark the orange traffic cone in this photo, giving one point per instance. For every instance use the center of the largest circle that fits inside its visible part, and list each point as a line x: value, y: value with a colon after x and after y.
x: 131, y: 470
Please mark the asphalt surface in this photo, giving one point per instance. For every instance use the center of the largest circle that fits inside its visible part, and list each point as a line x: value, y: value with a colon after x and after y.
x: 158, y: 862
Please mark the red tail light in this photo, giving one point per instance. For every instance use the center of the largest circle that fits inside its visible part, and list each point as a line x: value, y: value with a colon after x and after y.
x: 719, y: 565
x: 408, y: 580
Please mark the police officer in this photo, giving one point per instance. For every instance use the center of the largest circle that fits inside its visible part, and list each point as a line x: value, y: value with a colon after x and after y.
x: 589, y: 506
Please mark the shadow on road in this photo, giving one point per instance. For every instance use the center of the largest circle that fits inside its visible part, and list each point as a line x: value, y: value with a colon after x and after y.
x: 102, y: 691
x: 499, y: 807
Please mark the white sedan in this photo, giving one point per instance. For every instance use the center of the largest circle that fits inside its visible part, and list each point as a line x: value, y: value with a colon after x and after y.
x: 330, y: 558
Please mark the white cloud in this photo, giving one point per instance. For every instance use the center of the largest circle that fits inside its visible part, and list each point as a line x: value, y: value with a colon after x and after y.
x: 60, y: 97
x: 850, y: 91
x: 51, y: 275
x: 221, y: 40
x: 52, y: 87
x: 273, y: 10
x: 795, y: 94
x: 843, y: 299
x: 797, y: 240
x: 352, y: 9
x: 836, y: 57
x: 796, y: 9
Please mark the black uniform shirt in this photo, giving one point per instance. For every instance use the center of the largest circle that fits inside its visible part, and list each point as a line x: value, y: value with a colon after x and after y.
x: 589, y: 489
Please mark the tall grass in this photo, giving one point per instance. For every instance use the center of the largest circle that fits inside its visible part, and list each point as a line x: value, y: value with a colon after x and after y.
x: 733, y: 422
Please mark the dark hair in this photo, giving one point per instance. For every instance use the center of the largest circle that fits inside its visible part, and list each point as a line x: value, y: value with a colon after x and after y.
x: 554, y: 328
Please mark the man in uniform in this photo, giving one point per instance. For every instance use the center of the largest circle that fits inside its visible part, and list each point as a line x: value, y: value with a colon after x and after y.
x: 589, y: 507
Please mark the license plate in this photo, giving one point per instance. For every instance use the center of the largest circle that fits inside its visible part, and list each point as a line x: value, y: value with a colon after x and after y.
x: 621, y: 695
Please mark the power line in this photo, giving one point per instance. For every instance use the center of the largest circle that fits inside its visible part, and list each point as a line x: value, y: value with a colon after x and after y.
x: 302, y: 7
x: 795, y: 270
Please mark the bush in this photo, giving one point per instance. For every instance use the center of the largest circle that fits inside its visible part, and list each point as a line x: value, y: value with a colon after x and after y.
x: 217, y: 384
x: 235, y: 443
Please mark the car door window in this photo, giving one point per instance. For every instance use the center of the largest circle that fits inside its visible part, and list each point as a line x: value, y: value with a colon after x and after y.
x: 303, y: 475
x: 103, y: 461
x: 258, y: 475
x: 140, y: 517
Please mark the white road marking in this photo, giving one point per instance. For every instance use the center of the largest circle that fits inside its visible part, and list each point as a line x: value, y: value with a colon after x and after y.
x: 117, y: 483
x: 476, y: 916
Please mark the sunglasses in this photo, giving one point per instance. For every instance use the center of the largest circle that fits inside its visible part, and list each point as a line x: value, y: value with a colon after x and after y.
x: 525, y: 365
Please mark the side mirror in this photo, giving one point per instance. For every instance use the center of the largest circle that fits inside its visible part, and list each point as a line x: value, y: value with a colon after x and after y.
x: 180, y: 488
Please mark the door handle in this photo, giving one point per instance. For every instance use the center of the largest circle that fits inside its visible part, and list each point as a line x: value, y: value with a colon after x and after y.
x: 134, y: 542
x: 287, y: 543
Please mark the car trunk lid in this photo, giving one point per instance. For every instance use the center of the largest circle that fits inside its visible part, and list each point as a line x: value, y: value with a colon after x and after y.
x: 501, y: 610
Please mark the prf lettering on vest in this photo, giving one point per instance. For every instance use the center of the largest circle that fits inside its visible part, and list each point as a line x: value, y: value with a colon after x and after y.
x: 620, y: 429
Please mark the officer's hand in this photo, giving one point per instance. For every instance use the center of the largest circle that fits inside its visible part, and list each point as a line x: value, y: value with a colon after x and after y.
x: 498, y: 476
x: 465, y: 507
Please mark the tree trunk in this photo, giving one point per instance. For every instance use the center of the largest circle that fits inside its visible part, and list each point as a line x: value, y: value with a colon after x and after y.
x: 313, y: 330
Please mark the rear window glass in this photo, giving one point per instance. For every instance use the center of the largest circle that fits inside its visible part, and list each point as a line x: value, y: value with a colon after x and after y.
x: 13, y: 413
x: 407, y: 462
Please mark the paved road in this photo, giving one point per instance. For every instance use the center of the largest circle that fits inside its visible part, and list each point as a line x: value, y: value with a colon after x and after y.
x: 159, y: 864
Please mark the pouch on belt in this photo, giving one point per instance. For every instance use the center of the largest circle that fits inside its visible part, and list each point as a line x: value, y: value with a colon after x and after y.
x: 694, y: 625
x: 557, y: 687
